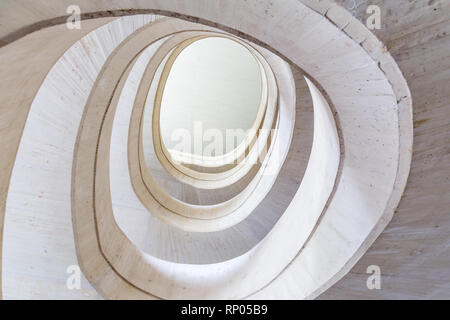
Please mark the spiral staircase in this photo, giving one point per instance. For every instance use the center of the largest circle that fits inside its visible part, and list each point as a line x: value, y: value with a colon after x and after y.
x: 339, y: 185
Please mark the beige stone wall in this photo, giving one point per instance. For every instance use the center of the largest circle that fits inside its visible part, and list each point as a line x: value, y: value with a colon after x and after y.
x: 413, y: 252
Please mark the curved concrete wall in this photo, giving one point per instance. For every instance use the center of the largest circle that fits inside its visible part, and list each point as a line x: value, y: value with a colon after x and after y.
x: 421, y: 215
x: 36, y: 257
x: 413, y: 251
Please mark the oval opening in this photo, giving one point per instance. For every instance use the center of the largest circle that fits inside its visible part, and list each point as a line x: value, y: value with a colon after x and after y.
x: 211, y: 99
